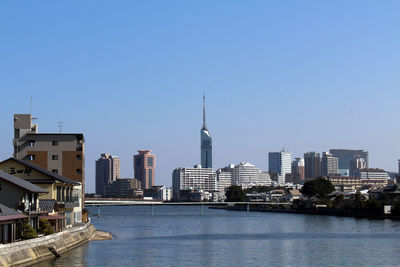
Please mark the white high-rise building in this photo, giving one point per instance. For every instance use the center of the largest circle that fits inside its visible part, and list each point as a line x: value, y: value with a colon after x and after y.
x: 247, y: 175
x: 329, y: 164
x: 280, y: 162
x: 196, y: 178
x: 224, y: 179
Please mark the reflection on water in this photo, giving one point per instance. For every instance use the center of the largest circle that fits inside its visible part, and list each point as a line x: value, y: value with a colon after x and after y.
x: 179, y: 236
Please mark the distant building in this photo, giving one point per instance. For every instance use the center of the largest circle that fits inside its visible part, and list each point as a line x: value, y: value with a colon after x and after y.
x: 107, y: 171
x: 329, y: 165
x: 346, y: 155
x: 399, y: 165
x: 124, y: 188
x: 196, y: 178
x: 356, y: 164
x: 280, y: 162
x: 61, y: 153
x: 224, y: 179
x: 376, y: 177
x: 298, y: 172
x: 246, y: 175
x: 206, y: 141
x: 312, y: 165
x: 159, y: 192
x: 144, y: 165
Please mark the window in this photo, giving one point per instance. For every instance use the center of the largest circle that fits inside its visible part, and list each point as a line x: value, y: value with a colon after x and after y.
x: 150, y: 161
x: 54, y: 157
x: 32, y: 143
x: 150, y: 177
x: 54, y: 171
x: 138, y: 162
x: 30, y: 157
x: 79, y: 157
x: 79, y: 171
x: 54, y: 143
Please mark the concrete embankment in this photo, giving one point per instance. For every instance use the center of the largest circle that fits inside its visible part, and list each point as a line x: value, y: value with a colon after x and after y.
x: 28, y: 252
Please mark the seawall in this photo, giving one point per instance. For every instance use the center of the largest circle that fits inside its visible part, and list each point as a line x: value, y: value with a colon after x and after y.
x: 28, y: 252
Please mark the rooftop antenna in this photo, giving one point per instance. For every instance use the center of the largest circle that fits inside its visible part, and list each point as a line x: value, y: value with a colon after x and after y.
x: 60, y: 125
x: 204, y: 111
x: 31, y: 104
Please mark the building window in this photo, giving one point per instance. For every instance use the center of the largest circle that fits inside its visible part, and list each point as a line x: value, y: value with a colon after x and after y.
x: 79, y: 157
x: 54, y: 157
x: 149, y: 162
x: 54, y: 171
x: 32, y: 143
x: 79, y: 171
x: 54, y: 143
x: 30, y: 157
x: 150, y: 176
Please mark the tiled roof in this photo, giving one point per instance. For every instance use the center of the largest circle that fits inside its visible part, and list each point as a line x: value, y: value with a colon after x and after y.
x: 44, y: 171
x: 9, y: 214
x: 21, y: 183
x: 47, y: 205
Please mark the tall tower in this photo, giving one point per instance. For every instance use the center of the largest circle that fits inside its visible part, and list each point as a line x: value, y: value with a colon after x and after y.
x: 107, y: 172
x: 206, y: 141
x: 144, y: 165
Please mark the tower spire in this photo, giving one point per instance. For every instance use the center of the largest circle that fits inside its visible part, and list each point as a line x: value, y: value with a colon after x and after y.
x: 204, y: 112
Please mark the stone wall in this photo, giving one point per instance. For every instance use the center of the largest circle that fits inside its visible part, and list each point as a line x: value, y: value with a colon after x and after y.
x: 25, y: 253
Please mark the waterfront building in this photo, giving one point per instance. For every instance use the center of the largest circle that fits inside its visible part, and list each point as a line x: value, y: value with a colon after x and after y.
x: 246, y: 175
x: 346, y: 155
x: 65, y: 191
x: 10, y: 225
x: 60, y: 153
x: 356, y: 164
x: 160, y: 192
x: 375, y: 177
x: 329, y: 164
x: 224, y: 179
x: 206, y: 141
x: 280, y: 162
x: 123, y: 188
x: 196, y: 178
x: 107, y: 171
x: 312, y: 165
x: 144, y: 165
x: 298, y: 172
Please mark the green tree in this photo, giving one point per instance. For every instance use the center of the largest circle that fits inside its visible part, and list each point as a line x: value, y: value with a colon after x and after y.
x: 27, y: 231
x: 319, y: 187
x: 45, y: 227
x: 235, y: 194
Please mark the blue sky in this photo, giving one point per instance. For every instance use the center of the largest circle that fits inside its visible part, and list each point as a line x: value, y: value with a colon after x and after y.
x: 307, y: 75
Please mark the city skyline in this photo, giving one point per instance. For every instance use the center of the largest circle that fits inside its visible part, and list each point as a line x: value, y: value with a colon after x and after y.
x: 275, y: 74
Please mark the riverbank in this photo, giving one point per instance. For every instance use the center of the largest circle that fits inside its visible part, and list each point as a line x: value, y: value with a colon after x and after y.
x: 313, y: 211
x: 101, y: 235
x: 28, y: 252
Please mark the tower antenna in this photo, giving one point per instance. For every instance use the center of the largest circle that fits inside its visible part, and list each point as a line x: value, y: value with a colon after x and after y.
x: 60, y: 125
x: 204, y: 111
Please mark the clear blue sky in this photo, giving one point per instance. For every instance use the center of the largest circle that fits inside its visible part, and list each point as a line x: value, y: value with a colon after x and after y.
x: 307, y: 75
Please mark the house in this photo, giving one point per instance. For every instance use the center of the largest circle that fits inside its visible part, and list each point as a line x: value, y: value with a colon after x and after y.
x: 59, y: 188
x: 10, y: 224
x: 18, y: 194
x: 292, y: 194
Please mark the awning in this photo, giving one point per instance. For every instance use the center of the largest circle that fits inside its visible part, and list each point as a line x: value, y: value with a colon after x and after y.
x: 52, y: 217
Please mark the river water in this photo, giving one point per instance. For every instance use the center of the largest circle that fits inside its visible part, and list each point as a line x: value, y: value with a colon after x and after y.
x: 186, y: 236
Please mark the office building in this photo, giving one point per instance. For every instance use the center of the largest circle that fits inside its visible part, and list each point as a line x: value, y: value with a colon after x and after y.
x: 159, y: 192
x: 312, y: 165
x: 346, y: 155
x: 107, y: 171
x: 196, y: 178
x: 144, y: 165
x: 375, y: 177
x: 224, y: 179
x: 123, y: 188
x: 247, y: 175
x: 206, y: 141
x: 356, y: 164
x: 298, y: 173
x: 329, y: 165
x: 60, y: 153
x: 280, y: 162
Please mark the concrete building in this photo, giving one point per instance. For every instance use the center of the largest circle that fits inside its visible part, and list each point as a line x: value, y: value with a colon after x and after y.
x: 375, y: 177
x: 224, y: 179
x: 298, y: 172
x: 280, y: 162
x: 60, y: 153
x: 107, y: 171
x: 196, y: 178
x: 123, y: 188
x: 345, y: 156
x: 312, y: 165
x: 159, y: 192
x: 206, y: 141
x: 329, y: 165
x: 144, y: 165
x: 356, y: 164
x: 246, y: 175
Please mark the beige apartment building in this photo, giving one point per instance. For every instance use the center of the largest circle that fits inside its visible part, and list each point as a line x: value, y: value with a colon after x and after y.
x: 60, y: 153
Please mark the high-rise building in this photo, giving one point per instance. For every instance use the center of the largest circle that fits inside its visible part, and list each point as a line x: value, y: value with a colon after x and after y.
x: 312, y: 165
x: 107, y: 171
x: 298, y: 174
x: 61, y: 153
x: 144, y: 165
x: 346, y: 155
x: 246, y: 175
x: 356, y: 164
x: 196, y: 178
x: 206, y: 141
x: 329, y: 164
x: 280, y: 162
x: 224, y: 180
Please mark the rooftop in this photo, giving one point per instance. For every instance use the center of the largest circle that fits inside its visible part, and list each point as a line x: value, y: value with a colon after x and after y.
x: 21, y: 183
